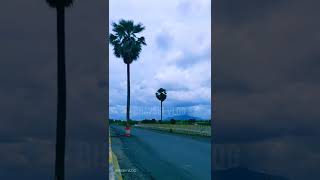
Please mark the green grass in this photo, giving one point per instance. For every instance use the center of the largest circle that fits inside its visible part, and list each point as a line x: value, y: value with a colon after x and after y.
x: 202, y: 130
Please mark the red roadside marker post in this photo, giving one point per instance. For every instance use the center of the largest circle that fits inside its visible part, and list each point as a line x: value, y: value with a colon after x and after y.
x: 127, y: 130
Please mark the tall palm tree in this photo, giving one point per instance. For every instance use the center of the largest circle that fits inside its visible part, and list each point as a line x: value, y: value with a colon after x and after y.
x: 127, y: 45
x: 60, y: 6
x: 161, y: 94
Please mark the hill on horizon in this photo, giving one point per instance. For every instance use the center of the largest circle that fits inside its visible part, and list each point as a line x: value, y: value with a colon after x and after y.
x: 178, y: 117
x: 182, y: 117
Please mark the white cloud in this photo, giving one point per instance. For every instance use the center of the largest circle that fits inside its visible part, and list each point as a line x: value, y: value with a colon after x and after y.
x: 182, y: 65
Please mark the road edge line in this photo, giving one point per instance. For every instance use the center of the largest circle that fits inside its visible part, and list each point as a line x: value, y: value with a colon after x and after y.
x: 114, y: 168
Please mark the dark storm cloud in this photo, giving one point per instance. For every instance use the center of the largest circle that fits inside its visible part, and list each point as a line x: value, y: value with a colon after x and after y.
x: 28, y: 91
x: 266, y: 70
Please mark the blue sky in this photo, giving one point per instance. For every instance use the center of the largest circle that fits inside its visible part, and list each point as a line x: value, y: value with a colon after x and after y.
x: 177, y: 57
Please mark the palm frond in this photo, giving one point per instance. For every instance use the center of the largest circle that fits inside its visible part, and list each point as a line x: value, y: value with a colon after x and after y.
x: 124, y: 40
x: 117, y: 51
x: 138, y: 28
x: 59, y: 3
x: 142, y: 40
x: 127, y: 25
x: 119, y: 30
x: 161, y: 94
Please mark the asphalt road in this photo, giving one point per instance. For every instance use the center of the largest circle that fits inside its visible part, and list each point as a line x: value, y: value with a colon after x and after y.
x: 151, y: 154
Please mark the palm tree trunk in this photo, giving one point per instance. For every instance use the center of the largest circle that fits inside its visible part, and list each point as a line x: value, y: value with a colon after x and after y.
x: 161, y: 111
x: 128, y: 92
x: 61, y: 98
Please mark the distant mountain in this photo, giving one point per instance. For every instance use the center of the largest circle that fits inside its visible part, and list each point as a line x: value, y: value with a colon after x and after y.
x: 182, y: 117
x: 244, y: 173
x: 139, y: 117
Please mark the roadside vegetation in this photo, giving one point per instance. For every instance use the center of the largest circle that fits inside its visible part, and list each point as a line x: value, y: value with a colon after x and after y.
x: 171, y: 121
x: 191, y: 126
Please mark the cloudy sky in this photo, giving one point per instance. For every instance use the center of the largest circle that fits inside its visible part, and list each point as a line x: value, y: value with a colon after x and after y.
x: 177, y: 57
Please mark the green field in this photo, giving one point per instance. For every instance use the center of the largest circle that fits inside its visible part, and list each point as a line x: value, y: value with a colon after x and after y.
x: 202, y: 130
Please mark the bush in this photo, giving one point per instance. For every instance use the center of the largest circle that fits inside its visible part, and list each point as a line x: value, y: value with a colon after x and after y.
x: 146, y: 121
x: 191, y: 121
x: 132, y: 122
x: 172, y: 121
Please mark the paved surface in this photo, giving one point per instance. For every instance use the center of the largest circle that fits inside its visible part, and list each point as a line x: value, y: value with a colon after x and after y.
x: 156, y: 155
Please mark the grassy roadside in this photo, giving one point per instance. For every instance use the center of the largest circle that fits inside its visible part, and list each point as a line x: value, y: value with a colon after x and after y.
x: 179, y: 128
